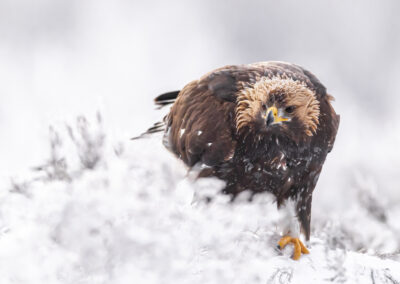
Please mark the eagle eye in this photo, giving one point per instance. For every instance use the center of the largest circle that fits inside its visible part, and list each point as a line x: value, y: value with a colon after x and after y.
x: 290, y: 109
x: 271, y: 99
x: 264, y: 107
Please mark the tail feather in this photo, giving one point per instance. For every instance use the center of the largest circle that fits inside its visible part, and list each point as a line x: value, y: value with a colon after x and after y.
x: 161, y: 101
x: 166, y: 99
x: 157, y: 127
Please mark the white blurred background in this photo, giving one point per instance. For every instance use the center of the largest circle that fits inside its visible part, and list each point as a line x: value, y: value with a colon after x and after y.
x: 59, y: 59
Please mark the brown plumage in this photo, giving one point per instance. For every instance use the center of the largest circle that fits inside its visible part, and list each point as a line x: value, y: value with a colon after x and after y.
x: 264, y: 127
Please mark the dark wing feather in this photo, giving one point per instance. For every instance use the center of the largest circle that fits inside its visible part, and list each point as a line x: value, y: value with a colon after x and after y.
x: 223, y: 85
x: 200, y: 126
x: 303, y: 205
x: 157, y: 127
x: 166, y: 98
x: 304, y: 215
x: 324, y: 140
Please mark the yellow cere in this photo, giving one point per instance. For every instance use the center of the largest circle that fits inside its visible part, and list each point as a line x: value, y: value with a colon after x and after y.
x: 275, y: 114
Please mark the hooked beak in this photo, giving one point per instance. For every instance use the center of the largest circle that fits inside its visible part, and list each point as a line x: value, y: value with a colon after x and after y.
x: 273, y: 117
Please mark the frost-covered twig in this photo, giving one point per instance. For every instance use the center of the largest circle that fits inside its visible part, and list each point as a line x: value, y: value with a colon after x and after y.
x: 369, y: 198
x: 55, y: 167
x: 282, y: 275
x: 88, y: 140
x: 84, y: 143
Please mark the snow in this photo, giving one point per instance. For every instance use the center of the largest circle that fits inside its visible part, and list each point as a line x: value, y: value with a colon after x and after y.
x: 288, y: 223
x: 134, y: 215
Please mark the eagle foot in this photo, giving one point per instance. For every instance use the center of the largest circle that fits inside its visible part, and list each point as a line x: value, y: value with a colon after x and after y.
x: 299, y: 247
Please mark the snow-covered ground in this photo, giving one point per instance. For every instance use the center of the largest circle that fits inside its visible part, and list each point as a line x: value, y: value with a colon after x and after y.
x: 99, y: 210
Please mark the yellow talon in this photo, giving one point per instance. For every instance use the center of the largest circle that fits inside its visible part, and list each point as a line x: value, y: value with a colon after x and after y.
x: 284, y: 241
x: 304, y: 250
x: 299, y: 247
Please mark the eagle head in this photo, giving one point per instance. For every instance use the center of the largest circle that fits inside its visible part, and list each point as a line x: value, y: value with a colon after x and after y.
x: 278, y: 105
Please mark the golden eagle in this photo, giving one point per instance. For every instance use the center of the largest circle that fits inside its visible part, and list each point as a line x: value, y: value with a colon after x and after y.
x: 263, y: 127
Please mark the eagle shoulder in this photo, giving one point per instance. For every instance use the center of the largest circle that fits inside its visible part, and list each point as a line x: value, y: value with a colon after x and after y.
x: 201, y: 122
